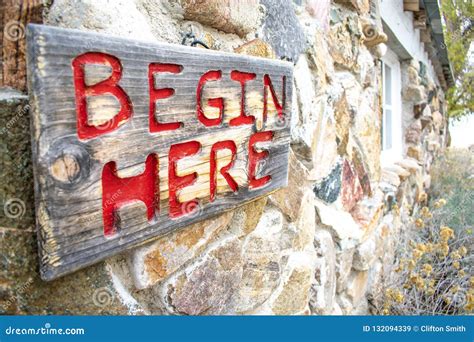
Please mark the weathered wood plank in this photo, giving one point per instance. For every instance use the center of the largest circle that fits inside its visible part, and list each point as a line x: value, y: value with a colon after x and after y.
x: 14, y: 16
x: 70, y: 181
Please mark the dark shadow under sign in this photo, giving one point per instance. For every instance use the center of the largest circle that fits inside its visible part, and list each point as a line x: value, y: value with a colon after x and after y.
x: 133, y: 139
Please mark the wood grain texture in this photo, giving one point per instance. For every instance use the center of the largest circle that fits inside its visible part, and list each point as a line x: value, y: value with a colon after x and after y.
x: 68, y: 170
x: 14, y: 16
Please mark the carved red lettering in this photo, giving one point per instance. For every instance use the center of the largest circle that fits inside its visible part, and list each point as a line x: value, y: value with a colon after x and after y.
x: 218, y: 102
x: 108, y: 86
x: 118, y: 191
x: 243, y: 118
x: 267, y: 84
x: 255, y: 157
x: 160, y: 93
x: 221, y: 145
x: 176, y: 183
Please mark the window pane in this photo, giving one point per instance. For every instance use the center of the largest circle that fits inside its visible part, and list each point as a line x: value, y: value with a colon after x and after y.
x: 388, y: 85
x: 388, y: 129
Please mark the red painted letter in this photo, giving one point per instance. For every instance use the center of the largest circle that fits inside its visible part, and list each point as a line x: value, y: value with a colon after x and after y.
x: 267, y: 83
x: 221, y: 145
x: 119, y: 191
x: 176, y: 183
x: 163, y: 93
x: 243, y: 119
x: 108, y: 86
x: 218, y: 102
x: 255, y: 157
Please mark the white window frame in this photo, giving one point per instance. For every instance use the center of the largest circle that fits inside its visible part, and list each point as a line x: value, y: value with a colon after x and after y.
x: 391, y: 154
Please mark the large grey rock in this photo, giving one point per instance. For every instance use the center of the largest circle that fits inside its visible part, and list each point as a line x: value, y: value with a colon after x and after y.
x: 206, y: 286
x: 329, y: 188
x: 262, y: 261
x: 282, y: 30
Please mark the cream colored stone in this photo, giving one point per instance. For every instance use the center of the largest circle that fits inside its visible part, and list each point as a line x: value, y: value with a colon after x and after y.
x: 390, y: 177
x: 231, y: 16
x: 156, y: 261
x: 364, y: 255
x: 324, y: 148
x: 343, y: 268
x: 121, y: 18
x: 324, y: 287
x: 295, y: 294
x: 309, y: 106
x: 306, y: 223
x: 262, y: 262
x: 438, y: 120
x: 400, y: 171
x: 289, y: 199
x: 344, y: 303
x: 410, y: 164
x: 342, y: 226
x: 357, y: 286
x: 256, y: 47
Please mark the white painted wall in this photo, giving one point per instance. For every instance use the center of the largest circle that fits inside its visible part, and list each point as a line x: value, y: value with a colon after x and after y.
x: 401, y: 24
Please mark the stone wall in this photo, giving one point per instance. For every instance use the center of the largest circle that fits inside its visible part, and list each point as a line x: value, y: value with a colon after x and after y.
x: 323, y: 245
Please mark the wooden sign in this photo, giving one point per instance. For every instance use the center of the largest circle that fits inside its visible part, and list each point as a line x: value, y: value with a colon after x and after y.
x: 132, y: 139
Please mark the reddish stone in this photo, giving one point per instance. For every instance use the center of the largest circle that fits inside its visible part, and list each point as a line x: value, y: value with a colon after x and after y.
x: 352, y: 191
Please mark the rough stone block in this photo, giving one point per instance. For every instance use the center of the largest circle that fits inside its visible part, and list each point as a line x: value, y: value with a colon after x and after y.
x: 410, y: 164
x: 390, y: 177
x: 289, y: 198
x: 343, y: 268
x: 282, y: 30
x: 324, y: 154
x: 357, y: 286
x: 262, y: 261
x: 413, y: 133
x: 230, y: 16
x: 402, y: 173
x: 345, y: 230
x: 294, y: 295
x: 415, y: 152
x: 364, y: 255
x: 309, y: 111
x: 121, y: 18
x: 329, y: 188
x: 352, y: 191
x: 156, y: 261
x: 345, y: 39
x: 305, y: 226
x: 324, y: 287
x: 257, y: 48
x: 206, y: 287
